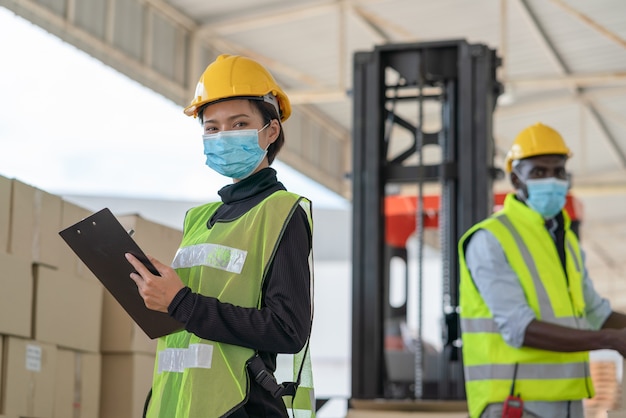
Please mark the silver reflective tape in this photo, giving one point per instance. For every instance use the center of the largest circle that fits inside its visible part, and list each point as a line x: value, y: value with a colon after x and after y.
x: 302, y: 413
x: 211, y: 255
x: 172, y: 360
x: 488, y: 325
x: 478, y: 325
x: 527, y: 371
x: 545, y: 307
x: 574, y: 257
x: 176, y: 360
x: 199, y: 356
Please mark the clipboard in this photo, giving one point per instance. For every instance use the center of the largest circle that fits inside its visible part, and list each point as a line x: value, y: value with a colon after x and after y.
x: 100, y: 241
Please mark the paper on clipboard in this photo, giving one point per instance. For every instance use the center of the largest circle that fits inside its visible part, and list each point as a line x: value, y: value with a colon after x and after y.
x: 100, y: 241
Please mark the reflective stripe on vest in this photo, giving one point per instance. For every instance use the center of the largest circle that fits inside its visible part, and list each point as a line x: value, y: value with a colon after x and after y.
x: 489, y: 361
x: 179, y: 359
x: 544, y: 302
x: 303, y: 403
x: 535, y: 371
x: 210, y: 255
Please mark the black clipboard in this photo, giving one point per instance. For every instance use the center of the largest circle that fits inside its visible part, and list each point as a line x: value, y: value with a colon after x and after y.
x: 100, y: 241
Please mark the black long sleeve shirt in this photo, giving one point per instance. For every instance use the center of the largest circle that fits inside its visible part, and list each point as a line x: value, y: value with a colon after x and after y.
x: 283, y: 323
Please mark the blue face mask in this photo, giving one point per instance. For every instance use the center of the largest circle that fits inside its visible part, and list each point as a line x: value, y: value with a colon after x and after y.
x: 234, y: 154
x: 546, y: 196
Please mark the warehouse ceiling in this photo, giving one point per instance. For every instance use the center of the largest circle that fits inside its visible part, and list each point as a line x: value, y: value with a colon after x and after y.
x: 563, y: 63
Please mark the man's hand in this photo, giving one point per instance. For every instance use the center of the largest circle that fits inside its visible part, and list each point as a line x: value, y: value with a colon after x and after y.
x: 157, y: 291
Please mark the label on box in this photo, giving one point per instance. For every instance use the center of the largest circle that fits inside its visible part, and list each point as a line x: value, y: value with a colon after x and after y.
x: 33, y: 358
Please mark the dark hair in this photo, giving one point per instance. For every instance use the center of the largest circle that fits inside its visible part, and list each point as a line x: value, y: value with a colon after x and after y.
x: 268, y: 112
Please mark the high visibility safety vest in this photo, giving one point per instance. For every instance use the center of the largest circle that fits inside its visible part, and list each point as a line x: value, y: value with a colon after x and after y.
x: 489, y: 362
x: 198, y: 378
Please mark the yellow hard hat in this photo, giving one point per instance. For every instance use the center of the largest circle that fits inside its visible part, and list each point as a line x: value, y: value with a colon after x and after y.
x: 233, y: 76
x: 537, y: 139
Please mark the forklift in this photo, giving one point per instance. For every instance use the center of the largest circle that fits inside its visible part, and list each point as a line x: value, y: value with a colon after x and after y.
x: 423, y: 173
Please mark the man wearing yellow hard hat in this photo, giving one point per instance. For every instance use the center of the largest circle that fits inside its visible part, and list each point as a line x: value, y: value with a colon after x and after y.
x: 241, y: 279
x: 529, y: 312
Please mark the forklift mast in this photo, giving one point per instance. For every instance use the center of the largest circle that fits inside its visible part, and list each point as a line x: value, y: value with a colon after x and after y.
x: 422, y: 117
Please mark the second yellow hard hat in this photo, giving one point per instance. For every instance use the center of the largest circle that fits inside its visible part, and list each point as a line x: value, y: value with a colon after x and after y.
x: 537, y: 139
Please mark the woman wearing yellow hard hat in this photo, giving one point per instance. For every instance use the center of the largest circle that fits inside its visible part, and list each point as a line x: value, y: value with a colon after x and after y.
x: 241, y: 279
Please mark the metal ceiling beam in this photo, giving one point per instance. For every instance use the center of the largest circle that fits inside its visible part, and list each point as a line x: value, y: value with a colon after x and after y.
x: 383, y: 27
x: 563, y: 68
x: 595, y: 79
x: 173, y: 13
x: 274, y: 17
x: 537, y: 103
x: 303, y: 96
x: 591, y: 23
x: 342, y: 48
x: 267, y: 19
x: 377, y: 33
x: 275, y: 67
x: 503, y: 50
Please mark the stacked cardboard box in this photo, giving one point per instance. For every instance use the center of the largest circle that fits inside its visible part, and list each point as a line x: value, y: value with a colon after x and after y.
x: 34, y: 224
x: 16, y: 297
x: 77, y: 384
x: 67, y: 310
x: 45, y: 308
x: 67, y: 349
x: 28, y: 369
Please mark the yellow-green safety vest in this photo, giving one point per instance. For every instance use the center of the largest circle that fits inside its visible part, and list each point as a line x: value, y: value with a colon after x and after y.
x: 198, y: 378
x: 489, y: 362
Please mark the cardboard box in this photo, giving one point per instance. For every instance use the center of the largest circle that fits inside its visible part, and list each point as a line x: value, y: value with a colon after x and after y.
x: 5, y: 212
x: 126, y: 381
x: 68, y: 260
x: 77, y: 385
x: 120, y: 334
x: 29, y: 369
x: 67, y: 310
x: 16, y: 296
x: 91, y: 375
x: 35, y: 224
x: 64, y: 385
x: 159, y: 241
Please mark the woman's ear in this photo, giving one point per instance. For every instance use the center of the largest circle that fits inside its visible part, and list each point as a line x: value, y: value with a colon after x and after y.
x: 273, y: 130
